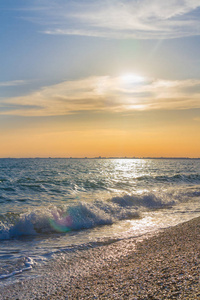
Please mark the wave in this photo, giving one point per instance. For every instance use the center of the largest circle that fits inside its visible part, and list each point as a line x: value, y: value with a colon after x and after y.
x: 79, y: 215
x: 176, y: 178
x: 25, y: 264
x: 50, y: 184
x: 148, y: 200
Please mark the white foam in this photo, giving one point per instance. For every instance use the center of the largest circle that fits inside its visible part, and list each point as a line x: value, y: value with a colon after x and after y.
x: 84, y: 215
x: 28, y: 265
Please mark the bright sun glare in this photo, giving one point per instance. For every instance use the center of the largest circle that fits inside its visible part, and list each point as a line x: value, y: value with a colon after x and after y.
x: 131, y: 78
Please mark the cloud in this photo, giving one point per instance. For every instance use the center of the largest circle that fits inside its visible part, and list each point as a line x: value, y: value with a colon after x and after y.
x: 105, y: 93
x: 142, y: 19
x: 12, y: 83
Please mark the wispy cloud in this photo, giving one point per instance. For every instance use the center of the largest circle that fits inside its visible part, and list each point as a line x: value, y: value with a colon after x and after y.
x: 12, y: 83
x: 142, y: 19
x: 105, y: 93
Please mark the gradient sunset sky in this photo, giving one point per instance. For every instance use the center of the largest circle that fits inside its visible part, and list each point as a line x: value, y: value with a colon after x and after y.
x: 87, y: 78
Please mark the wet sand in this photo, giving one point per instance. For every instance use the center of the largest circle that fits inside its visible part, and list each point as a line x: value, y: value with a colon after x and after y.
x: 163, y: 266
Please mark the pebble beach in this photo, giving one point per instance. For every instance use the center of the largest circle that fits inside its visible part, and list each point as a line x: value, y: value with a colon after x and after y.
x: 165, y: 266
x: 162, y: 266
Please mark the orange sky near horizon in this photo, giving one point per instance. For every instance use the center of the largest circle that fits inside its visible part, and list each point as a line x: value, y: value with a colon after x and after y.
x: 89, y: 139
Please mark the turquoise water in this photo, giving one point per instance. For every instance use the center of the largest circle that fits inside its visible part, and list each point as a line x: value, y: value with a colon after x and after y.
x: 53, y: 206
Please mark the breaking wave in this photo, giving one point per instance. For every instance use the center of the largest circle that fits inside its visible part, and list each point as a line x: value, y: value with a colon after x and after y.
x: 80, y: 215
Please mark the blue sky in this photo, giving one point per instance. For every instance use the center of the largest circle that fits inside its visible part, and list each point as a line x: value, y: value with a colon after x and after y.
x: 72, y: 59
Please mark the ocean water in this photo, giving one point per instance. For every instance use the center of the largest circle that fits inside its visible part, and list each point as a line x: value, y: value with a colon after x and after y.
x: 55, y: 208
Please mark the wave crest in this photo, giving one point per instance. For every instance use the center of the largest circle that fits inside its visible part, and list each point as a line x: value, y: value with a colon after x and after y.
x: 82, y: 215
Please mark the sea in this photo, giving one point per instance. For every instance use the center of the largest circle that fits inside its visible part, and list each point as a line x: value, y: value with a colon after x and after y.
x: 52, y: 210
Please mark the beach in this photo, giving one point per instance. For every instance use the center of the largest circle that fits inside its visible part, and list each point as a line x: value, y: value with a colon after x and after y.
x: 162, y: 266
x: 99, y: 229
x: 165, y: 266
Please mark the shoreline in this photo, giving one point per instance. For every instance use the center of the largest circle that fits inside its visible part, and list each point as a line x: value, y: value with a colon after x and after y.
x: 165, y: 266
x: 160, y: 266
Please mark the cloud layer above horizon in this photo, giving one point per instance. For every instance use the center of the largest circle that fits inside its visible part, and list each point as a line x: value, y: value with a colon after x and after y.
x: 142, y: 19
x: 105, y: 94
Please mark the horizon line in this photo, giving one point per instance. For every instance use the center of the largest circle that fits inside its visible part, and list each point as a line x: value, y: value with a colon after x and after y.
x: 105, y: 157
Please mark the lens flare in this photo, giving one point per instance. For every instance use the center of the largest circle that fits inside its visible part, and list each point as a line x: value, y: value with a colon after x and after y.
x: 61, y: 223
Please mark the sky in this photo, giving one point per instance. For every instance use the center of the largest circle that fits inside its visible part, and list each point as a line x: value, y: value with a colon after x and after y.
x: 86, y: 78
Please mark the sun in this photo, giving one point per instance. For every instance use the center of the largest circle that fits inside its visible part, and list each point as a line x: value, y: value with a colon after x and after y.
x: 131, y: 78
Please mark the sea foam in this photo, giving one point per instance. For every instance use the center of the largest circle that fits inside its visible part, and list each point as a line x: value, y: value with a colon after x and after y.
x: 79, y: 215
x: 28, y: 263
